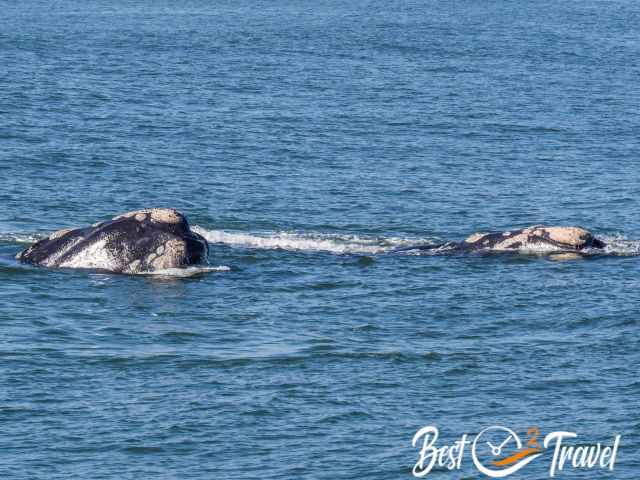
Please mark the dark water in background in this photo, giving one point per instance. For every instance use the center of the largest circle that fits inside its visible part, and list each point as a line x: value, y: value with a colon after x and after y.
x: 305, y: 137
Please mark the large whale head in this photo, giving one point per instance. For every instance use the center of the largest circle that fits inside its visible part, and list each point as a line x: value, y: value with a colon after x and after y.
x: 140, y: 241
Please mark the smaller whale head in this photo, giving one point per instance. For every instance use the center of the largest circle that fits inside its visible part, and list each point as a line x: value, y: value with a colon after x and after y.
x: 574, y: 238
x: 537, y: 237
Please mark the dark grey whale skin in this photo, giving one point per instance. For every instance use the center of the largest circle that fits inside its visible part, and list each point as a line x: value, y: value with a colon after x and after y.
x: 492, y: 241
x: 132, y: 242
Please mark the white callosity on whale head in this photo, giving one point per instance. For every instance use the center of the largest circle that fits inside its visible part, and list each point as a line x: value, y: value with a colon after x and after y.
x: 544, y: 239
x: 60, y: 233
x: 475, y: 237
x: 159, y: 215
x: 572, y: 236
x: 167, y: 255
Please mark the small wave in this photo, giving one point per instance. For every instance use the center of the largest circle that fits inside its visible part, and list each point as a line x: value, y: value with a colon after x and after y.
x: 308, y: 242
x: 417, y: 250
x: 25, y: 238
x: 186, y: 271
x: 621, y: 246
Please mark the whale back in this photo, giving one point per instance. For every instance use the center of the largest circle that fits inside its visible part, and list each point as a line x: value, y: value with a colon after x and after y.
x: 135, y: 242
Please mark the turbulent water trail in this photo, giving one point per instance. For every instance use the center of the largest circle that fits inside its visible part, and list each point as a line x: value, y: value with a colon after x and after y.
x: 619, y: 245
x: 310, y: 242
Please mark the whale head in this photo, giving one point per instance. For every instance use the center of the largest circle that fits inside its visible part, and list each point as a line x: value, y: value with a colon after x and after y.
x: 571, y: 238
x: 140, y: 241
x: 553, y: 238
x: 536, y: 238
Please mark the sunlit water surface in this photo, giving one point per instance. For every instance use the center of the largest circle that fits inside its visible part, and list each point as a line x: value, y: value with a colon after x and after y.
x: 306, y: 140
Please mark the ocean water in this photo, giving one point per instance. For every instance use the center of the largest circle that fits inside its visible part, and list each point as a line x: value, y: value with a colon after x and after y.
x: 305, y: 140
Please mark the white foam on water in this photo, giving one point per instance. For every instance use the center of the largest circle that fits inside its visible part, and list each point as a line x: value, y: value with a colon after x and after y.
x: 22, y: 238
x: 308, y: 242
x: 185, y: 272
x: 621, y: 246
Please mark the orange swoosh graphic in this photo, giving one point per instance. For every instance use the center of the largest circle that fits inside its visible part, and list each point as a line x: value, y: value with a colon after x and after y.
x: 516, y: 457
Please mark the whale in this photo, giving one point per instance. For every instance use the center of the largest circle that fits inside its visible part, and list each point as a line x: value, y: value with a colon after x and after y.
x: 537, y: 238
x: 152, y: 240
x: 141, y: 241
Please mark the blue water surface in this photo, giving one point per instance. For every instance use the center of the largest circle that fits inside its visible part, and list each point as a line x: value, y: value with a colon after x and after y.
x: 306, y: 140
